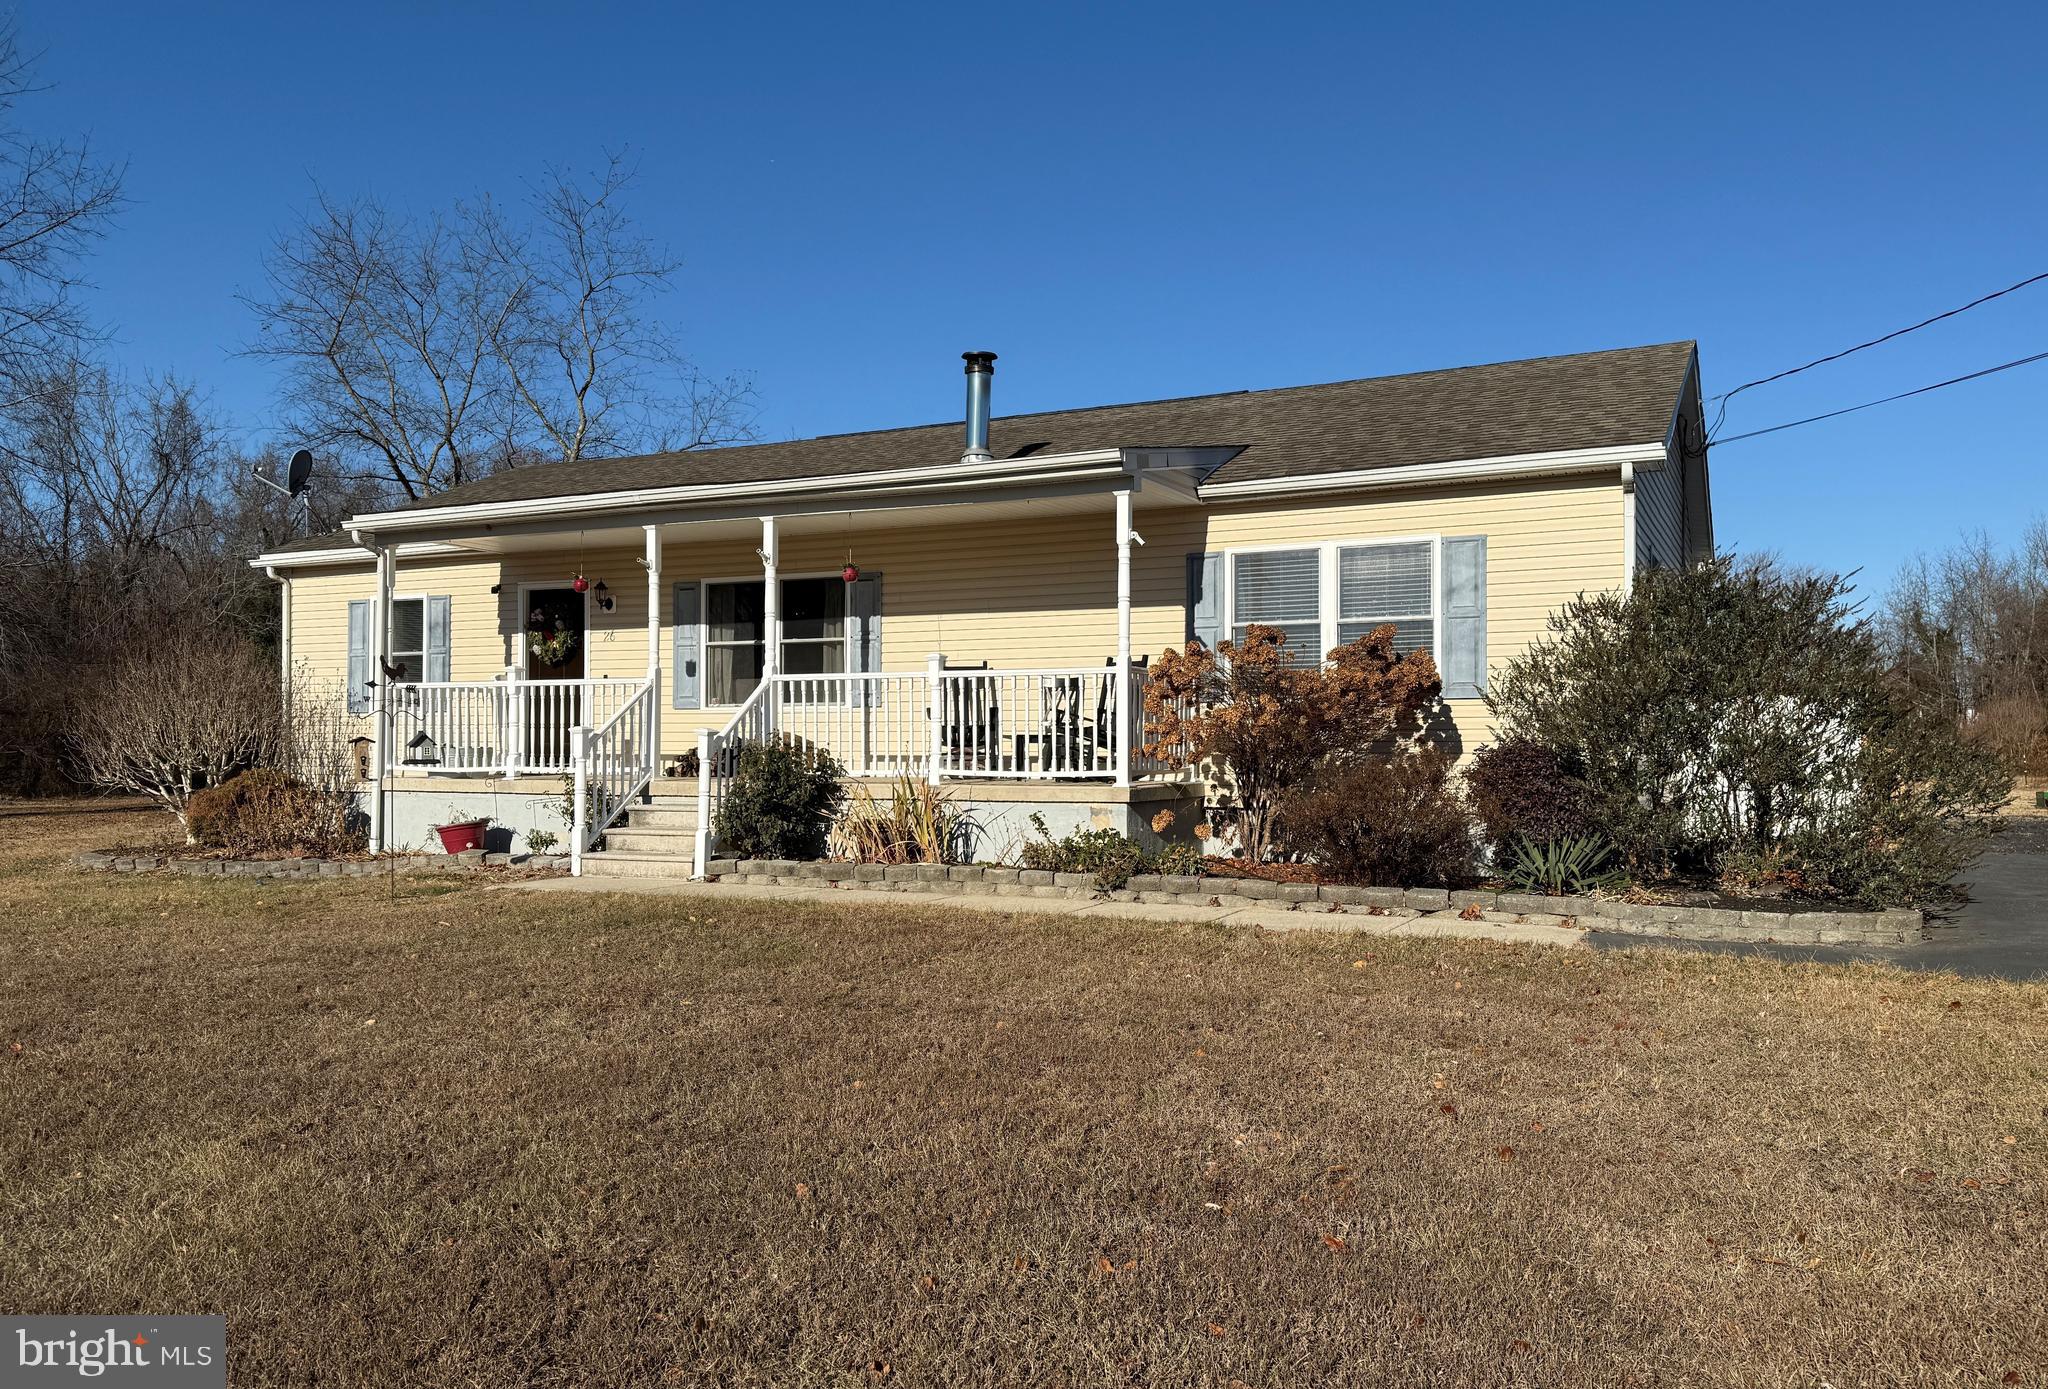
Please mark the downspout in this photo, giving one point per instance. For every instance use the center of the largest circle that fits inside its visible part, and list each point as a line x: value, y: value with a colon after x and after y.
x: 1124, y: 714
x: 1628, y: 529
x: 284, y: 632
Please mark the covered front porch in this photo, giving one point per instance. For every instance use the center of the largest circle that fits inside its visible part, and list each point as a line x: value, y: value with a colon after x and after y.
x: 804, y: 623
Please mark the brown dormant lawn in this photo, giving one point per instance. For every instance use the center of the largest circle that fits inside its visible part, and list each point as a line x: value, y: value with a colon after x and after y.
x: 442, y: 1135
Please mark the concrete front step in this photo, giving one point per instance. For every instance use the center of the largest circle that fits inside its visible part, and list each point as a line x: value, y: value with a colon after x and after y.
x: 635, y: 839
x: 626, y: 863
x: 662, y: 817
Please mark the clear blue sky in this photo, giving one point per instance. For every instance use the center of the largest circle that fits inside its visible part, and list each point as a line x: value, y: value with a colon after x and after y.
x: 1132, y: 203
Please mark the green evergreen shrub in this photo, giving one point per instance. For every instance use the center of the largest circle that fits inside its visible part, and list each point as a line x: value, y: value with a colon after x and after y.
x: 1746, y: 711
x: 782, y: 800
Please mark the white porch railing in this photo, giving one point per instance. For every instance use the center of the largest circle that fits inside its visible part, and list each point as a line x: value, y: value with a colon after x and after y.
x: 511, y: 727
x: 940, y: 724
x: 613, y: 762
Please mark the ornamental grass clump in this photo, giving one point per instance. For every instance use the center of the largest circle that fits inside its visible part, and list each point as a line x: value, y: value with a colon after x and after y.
x: 919, y: 824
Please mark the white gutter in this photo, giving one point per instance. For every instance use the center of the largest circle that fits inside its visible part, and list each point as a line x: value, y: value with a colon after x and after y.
x: 350, y: 554
x: 1001, y: 470
x: 1512, y: 465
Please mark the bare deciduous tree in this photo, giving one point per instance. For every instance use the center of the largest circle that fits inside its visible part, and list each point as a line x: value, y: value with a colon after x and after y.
x: 442, y: 349
x: 56, y: 197
x: 1968, y: 632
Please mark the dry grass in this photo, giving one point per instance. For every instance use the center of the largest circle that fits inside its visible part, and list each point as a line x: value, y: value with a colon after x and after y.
x: 458, y: 1137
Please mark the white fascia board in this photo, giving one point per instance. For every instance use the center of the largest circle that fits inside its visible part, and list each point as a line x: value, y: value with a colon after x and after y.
x: 349, y: 554
x: 994, y: 472
x: 1644, y: 456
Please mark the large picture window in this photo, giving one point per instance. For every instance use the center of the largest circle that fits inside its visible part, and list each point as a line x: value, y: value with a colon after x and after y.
x: 1325, y: 596
x: 736, y: 638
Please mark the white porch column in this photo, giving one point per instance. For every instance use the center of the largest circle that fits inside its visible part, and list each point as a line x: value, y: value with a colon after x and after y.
x: 654, y: 647
x: 380, y: 661
x: 1124, y: 714
x: 771, y: 613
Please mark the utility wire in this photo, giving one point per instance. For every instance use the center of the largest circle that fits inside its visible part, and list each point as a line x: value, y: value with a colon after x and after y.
x: 1902, y: 395
x: 1726, y: 396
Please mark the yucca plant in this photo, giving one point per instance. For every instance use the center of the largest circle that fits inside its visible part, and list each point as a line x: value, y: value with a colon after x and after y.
x: 1570, y: 866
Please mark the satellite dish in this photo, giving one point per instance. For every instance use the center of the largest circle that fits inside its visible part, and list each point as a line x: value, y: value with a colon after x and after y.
x: 297, y: 474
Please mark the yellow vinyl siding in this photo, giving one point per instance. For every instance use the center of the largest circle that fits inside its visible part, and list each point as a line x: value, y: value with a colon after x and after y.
x: 1040, y: 591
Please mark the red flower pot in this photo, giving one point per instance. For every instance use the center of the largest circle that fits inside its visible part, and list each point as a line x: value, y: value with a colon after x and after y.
x: 467, y: 835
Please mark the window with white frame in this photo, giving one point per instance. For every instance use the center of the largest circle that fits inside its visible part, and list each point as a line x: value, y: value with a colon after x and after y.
x: 1280, y: 588
x: 409, y: 639
x: 814, y: 626
x: 813, y: 620
x: 1380, y: 584
x: 1324, y: 596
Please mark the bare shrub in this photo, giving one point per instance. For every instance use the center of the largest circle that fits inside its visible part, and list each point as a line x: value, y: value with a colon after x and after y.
x: 1269, y: 723
x: 179, y: 713
x: 1387, y: 821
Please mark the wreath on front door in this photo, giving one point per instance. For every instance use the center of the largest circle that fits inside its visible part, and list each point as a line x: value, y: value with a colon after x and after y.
x: 550, y: 648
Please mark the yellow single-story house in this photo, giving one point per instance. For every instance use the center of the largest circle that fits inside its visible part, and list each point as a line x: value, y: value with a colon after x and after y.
x: 973, y: 607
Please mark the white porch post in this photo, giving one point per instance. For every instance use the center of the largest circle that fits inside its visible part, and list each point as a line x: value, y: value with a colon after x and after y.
x: 380, y: 660
x: 771, y: 614
x: 935, y: 679
x: 579, y: 821
x: 654, y: 649
x: 1123, y: 638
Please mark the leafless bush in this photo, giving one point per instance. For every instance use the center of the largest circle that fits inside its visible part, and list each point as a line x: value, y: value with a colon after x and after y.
x: 176, y: 714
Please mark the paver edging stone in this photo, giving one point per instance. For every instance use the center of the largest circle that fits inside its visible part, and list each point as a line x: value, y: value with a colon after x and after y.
x: 474, y: 861
x: 1896, y: 926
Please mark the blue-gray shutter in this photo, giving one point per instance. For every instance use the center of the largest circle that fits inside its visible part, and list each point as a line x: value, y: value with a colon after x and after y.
x: 435, y: 666
x: 1462, y: 662
x: 866, y: 607
x: 359, y: 656
x: 1205, y: 599
x: 687, y: 690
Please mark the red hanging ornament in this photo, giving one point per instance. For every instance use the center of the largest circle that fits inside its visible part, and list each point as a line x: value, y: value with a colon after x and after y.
x: 850, y: 573
x: 580, y: 584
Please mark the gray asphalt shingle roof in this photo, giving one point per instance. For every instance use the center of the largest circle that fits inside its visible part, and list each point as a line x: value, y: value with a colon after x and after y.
x: 1538, y: 405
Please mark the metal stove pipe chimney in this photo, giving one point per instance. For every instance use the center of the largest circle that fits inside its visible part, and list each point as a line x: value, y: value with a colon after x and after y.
x: 981, y: 370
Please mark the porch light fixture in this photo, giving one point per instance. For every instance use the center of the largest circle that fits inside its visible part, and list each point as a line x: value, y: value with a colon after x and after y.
x: 605, y: 601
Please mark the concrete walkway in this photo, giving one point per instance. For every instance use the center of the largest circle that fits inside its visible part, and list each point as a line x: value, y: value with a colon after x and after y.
x: 1447, y: 925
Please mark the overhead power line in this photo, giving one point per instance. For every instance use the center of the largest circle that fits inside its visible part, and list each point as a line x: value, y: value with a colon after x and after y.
x: 1727, y: 396
x: 1902, y: 395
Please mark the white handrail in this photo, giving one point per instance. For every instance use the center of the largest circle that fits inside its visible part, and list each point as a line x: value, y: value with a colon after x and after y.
x: 613, y: 763
x: 714, y: 750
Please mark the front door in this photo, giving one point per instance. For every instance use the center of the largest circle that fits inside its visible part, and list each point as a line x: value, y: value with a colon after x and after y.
x: 553, y: 641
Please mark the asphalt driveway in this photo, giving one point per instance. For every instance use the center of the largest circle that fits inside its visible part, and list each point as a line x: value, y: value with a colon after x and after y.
x: 2002, y: 931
